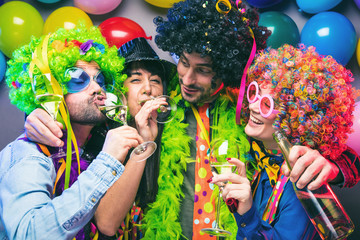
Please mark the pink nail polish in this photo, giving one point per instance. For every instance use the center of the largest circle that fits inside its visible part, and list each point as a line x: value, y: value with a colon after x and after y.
x: 228, y: 159
x: 210, y: 180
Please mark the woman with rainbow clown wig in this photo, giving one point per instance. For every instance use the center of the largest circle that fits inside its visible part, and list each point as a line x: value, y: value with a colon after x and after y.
x: 310, y: 98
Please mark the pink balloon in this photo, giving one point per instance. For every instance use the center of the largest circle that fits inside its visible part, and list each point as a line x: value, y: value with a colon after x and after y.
x: 354, y: 138
x: 97, y: 7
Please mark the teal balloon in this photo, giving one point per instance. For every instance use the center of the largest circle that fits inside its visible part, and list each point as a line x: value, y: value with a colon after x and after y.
x: 283, y: 28
x: 332, y: 34
x: 2, y: 66
x: 316, y: 6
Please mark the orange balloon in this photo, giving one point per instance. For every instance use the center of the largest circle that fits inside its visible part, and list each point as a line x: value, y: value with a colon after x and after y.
x: 66, y: 17
x: 163, y: 3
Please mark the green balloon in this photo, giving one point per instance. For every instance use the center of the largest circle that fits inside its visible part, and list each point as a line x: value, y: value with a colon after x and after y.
x: 283, y: 28
x: 18, y: 22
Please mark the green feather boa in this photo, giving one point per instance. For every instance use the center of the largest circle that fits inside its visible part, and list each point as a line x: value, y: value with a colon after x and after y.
x: 161, y: 217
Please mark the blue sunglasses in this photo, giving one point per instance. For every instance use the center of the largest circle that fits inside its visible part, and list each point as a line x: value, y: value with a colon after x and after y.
x: 80, y: 80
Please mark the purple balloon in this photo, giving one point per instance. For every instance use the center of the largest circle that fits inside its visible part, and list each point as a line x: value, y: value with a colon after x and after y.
x: 357, y: 2
x: 263, y: 3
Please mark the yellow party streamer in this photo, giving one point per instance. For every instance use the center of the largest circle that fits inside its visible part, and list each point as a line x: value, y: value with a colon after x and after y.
x: 40, y: 59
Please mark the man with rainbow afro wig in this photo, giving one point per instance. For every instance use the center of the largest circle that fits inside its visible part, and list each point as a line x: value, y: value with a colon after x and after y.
x: 76, y: 64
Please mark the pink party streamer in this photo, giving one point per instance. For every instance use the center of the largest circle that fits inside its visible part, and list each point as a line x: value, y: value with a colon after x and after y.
x: 243, y: 83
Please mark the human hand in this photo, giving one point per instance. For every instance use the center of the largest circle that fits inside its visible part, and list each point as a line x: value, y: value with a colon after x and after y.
x: 144, y: 119
x: 239, y: 189
x: 42, y: 128
x: 120, y: 140
x: 307, y: 165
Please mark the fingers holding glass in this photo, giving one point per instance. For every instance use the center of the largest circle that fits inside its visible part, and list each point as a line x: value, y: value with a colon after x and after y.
x: 116, y: 109
x: 165, y: 111
x: 163, y: 107
x: 220, y: 152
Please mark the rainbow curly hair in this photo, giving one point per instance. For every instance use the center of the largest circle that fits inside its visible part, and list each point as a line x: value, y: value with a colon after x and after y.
x: 65, y: 48
x: 219, y: 29
x: 313, y: 94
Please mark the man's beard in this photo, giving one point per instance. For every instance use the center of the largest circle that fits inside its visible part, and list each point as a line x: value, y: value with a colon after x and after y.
x: 86, y: 113
x: 205, y: 94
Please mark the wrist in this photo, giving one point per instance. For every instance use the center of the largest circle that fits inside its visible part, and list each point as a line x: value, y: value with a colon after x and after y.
x: 339, y: 178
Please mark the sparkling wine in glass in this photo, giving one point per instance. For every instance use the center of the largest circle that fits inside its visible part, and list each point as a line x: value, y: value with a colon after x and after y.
x: 220, y: 150
x: 49, y: 101
x: 115, y: 108
x: 166, y: 112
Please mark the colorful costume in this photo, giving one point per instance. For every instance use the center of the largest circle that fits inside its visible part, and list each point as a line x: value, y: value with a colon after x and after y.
x: 290, y: 221
x: 315, y: 101
x: 32, y: 207
x: 170, y: 216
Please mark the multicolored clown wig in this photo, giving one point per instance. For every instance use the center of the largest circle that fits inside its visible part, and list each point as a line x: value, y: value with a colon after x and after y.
x: 219, y: 29
x: 313, y: 94
x: 65, y: 48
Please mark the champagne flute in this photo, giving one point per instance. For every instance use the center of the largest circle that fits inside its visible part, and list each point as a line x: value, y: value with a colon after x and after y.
x: 116, y: 109
x: 49, y: 101
x: 220, y: 150
x: 166, y: 112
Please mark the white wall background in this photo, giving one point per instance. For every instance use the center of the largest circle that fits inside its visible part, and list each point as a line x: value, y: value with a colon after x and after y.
x: 12, y: 120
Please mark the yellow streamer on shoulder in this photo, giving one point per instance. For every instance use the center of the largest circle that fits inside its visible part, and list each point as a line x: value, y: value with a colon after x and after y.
x: 40, y: 59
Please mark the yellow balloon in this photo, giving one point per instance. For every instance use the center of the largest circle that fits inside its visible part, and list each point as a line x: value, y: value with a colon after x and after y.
x: 163, y: 3
x: 358, y: 52
x: 66, y: 17
x: 18, y: 22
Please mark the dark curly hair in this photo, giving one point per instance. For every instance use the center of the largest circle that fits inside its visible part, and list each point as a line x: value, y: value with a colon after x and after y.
x: 196, y: 25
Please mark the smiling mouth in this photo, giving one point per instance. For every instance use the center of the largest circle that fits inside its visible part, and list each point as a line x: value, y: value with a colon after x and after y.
x: 190, y: 90
x: 255, y: 120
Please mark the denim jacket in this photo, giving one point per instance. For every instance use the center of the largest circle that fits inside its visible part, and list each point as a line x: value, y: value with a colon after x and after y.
x: 28, y: 209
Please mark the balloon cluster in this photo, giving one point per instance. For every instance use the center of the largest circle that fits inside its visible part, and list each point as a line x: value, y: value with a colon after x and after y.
x: 20, y: 20
x: 330, y: 32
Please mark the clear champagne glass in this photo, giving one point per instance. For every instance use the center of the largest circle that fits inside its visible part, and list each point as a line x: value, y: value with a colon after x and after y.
x: 219, y: 151
x: 116, y: 109
x: 49, y: 101
x: 166, y: 112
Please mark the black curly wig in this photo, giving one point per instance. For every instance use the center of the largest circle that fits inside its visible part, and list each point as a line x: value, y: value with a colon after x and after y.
x: 197, y: 26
